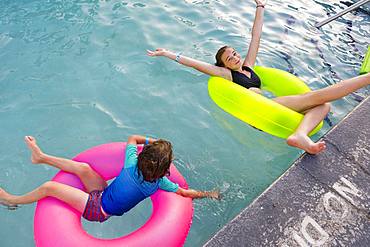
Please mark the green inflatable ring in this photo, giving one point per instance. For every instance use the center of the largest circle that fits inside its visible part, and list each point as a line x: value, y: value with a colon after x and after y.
x: 257, y: 110
x: 365, y: 68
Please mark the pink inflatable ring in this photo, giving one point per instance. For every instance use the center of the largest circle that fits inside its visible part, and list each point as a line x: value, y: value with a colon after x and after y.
x: 59, y: 225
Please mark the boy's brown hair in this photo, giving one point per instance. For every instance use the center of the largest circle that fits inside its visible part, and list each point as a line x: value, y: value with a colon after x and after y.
x: 155, y: 160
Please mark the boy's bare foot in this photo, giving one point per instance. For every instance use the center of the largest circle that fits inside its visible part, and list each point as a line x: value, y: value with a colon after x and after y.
x: 5, y: 202
x: 3, y: 195
x: 36, y: 153
x: 304, y: 142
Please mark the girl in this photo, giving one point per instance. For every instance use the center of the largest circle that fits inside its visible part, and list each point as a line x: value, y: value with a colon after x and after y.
x: 141, y: 176
x: 314, y: 105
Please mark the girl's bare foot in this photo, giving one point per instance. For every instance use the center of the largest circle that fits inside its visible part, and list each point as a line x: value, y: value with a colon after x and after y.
x: 36, y: 153
x: 302, y: 141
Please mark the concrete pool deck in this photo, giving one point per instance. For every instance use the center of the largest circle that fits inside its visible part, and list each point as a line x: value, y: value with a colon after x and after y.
x: 322, y: 200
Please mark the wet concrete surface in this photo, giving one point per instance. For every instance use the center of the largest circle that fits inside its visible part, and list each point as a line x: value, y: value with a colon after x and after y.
x: 322, y: 200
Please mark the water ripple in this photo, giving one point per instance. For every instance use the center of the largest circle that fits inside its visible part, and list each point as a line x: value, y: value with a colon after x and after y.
x: 85, y: 60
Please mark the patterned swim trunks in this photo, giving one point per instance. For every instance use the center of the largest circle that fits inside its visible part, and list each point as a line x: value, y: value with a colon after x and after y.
x: 93, y: 211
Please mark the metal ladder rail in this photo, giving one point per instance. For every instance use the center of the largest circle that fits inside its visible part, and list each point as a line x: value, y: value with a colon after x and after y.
x: 350, y: 8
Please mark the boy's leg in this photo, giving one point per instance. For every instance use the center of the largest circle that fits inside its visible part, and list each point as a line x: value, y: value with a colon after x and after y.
x: 74, y: 197
x: 90, y: 179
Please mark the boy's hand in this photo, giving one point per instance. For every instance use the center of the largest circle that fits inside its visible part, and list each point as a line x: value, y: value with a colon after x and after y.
x: 215, y: 194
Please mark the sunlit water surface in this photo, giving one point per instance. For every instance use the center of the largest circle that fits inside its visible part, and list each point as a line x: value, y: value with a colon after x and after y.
x: 75, y: 74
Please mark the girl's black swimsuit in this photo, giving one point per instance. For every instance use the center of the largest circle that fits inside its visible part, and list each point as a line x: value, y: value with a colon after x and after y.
x: 245, y: 81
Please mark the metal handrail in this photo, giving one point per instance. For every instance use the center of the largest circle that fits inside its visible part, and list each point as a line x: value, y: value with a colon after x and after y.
x: 350, y: 8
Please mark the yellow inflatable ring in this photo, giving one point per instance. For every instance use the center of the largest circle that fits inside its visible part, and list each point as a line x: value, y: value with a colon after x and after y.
x: 257, y: 110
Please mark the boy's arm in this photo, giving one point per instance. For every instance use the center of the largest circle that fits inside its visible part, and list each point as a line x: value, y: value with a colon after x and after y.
x: 167, y: 185
x: 138, y: 139
x: 131, y: 149
x: 194, y: 194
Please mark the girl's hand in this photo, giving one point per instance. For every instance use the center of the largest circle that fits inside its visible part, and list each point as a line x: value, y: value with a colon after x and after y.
x: 261, y: 2
x: 255, y: 89
x: 158, y: 52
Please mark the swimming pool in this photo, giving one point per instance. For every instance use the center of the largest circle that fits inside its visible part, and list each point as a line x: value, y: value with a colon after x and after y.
x: 75, y: 74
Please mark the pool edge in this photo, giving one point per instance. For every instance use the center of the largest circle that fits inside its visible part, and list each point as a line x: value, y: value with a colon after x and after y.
x: 321, y: 199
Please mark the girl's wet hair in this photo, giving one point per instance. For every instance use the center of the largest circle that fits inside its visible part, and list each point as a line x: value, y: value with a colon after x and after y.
x: 155, y: 160
x: 218, y: 56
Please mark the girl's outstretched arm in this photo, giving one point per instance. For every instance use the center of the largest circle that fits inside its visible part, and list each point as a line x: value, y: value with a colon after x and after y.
x: 256, y: 34
x: 194, y: 194
x: 203, y: 67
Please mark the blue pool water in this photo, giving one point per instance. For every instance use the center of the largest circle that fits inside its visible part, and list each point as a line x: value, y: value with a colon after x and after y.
x: 75, y: 74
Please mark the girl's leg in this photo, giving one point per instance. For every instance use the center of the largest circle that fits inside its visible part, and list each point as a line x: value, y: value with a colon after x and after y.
x: 90, y: 179
x: 74, y: 197
x: 309, y: 100
x: 311, y: 119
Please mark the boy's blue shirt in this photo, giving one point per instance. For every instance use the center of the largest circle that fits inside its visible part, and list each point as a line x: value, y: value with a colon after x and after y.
x: 128, y: 189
